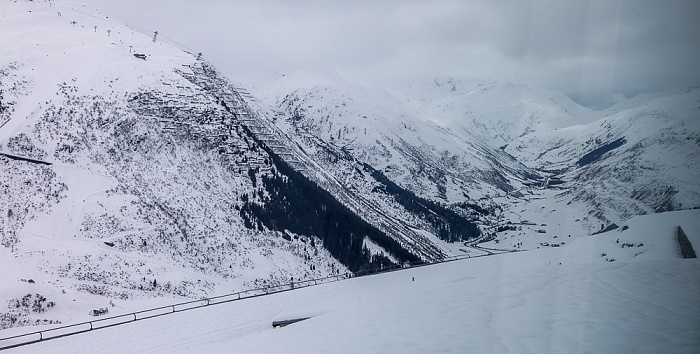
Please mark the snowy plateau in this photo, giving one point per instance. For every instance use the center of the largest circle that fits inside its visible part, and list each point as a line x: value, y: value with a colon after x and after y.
x: 135, y: 175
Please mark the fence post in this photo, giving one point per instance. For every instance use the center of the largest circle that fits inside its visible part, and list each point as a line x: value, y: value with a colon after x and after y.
x: 686, y: 247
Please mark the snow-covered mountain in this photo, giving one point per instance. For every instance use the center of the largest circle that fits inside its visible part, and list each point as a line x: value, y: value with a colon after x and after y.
x: 637, y: 161
x: 533, y: 160
x: 407, y: 142
x: 439, y: 138
x: 133, y: 172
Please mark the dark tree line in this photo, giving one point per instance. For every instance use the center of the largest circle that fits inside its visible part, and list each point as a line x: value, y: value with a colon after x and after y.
x: 598, y: 152
x: 473, y: 209
x: 299, y: 205
x: 451, y: 226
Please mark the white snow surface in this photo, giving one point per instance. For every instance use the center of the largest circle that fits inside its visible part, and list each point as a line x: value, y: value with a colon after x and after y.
x: 555, y: 300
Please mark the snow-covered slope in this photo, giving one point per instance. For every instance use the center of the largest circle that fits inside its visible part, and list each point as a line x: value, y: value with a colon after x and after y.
x: 573, y: 299
x: 122, y: 177
x: 640, y: 160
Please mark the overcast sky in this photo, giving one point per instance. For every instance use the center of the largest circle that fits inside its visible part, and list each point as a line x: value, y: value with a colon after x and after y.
x: 594, y: 51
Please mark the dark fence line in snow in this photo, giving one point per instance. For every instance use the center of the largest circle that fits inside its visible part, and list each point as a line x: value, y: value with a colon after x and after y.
x: 26, y: 159
x: 77, y: 328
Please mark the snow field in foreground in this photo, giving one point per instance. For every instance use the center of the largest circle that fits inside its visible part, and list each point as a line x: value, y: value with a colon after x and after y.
x: 538, y: 301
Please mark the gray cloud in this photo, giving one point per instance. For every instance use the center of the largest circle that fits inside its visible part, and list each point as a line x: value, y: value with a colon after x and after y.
x: 592, y: 50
